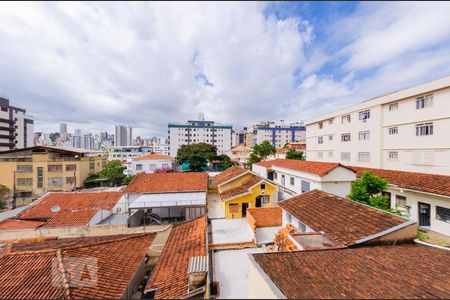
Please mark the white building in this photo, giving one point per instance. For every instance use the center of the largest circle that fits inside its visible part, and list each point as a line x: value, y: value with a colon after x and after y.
x: 200, y: 131
x: 278, y: 133
x: 62, y: 128
x: 16, y: 127
x: 82, y: 141
x: 405, y: 130
x: 123, y: 136
x: 296, y: 177
x: 149, y: 163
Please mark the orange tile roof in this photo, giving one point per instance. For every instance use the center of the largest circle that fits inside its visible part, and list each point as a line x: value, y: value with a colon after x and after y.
x: 168, y: 182
x: 153, y: 156
x: 341, y: 219
x: 71, y: 217
x: 29, y: 274
x: 428, y: 183
x: 41, y: 209
x: 170, y: 276
x: 408, y: 271
x: 15, y: 224
x: 312, y: 167
x: 229, y: 173
x: 243, y: 188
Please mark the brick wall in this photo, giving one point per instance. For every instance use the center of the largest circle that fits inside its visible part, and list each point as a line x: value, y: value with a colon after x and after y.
x: 264, y: 217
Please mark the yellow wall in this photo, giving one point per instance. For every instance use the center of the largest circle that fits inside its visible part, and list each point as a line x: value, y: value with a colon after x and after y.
x: 251, y: 199
x: 236, y: 182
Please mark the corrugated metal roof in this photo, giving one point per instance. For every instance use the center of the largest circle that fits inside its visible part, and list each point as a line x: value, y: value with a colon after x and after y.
x: 198, y: 264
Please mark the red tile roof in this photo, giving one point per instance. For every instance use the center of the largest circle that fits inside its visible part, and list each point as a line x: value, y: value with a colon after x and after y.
x: 243, y: 188
x: 170, y: 276
x: 168, y: 182
x: 312, y: 167
x: 428, y: 183
x: 15, y: 224
x: 341, y: 219
x: 71, y: 217
x: 29, y: 274
x: 41, y: 209
x: 229, y: 173
x: 153, y: 156
x: 406, y: 271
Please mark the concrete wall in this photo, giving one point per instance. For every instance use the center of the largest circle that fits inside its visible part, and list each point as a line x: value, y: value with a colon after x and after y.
x: 264, y: 216
x: 135, y: 281
x: 258, y: 288
x: 149, y: 166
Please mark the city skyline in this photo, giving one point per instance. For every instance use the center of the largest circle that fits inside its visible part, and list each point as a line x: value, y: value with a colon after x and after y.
x: 118, y: 74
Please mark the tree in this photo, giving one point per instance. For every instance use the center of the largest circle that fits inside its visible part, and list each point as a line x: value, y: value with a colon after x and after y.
x: 113, y: 172
x: 4, y: 195
x: 127, y: 180
x: 294, y: 154
x: 196, y: 155
x: 224, y: 162
x: 367, y: 190
x: 261, y: 152
x: 54, y: 136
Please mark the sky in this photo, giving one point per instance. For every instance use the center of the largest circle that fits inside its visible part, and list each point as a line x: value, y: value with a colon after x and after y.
x: 94, y: 65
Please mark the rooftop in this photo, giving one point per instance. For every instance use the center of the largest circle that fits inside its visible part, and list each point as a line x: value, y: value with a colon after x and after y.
x: 312, y: 167
x: 14, y: 224
x: 153, y: 156
x: 168, y: 182
x: 51, y: 149
x: 427, y: 183
x: 403, y: 271
x: 342, y: 220
x: 170, y: 276
x: 241, y: 189
x: 229, y: 173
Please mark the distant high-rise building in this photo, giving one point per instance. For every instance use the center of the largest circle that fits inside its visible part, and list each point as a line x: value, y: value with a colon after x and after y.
x: 62, y: 128
x: 16, y: 128
x: 123, y: 136
x: 278, y: 133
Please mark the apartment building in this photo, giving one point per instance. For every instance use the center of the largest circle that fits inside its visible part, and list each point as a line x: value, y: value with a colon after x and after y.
x: 404, y: 130
x: 35, y: 171
x: 123, y: 136
x: 201, y: 131
x: 278, y: 133
x: 16, y: 127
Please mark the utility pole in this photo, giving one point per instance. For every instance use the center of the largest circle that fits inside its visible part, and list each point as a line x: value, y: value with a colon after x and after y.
x: 14, y: 201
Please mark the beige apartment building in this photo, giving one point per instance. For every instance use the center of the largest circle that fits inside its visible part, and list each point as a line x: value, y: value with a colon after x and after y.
x: 408, y: 130
x: 38, y: 170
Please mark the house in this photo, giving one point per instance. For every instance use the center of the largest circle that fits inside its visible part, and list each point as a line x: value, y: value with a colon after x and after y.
x: 299, y: 176
x: 68, y: 209
x: 149, y: 163
x: 317, y: 219
x: 166, y: 197
x: 240, y: 154
x: 182, y: 269
x: 240, y: 189
x: 407, y: 271
x: 423, y: 198
x: 34, y: 171
x: 81, y: 268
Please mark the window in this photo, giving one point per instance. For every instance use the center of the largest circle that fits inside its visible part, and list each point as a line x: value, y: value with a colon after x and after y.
x: 306, y: 186
x: 265, y: 199
x: 70, y: 180
x: 393, y: 106
x: 424, y: 129
x: 345, y: 156
x: 393, y: 130
x: 27, y: 168
x: 320, y: 124
x: 139, y: 167
x: 400, y: 202
x: 345, y: 119
x: 288, y: 218
x: 275, y: 176
x: 301, y: 226
x: 233, y: 208
x: 152, y: 167
x: 292, y: 180
x: 4, y: 108
x: 363, y: 156
x: 443, y: 214
x: 364, y: 135
x: 364, y: 115
x: 330, y: 153
x: 320, y: 139
x: 40, y: 177
x: 345, y: 137
x: 319, y: 154
x: 424, y: 101
x: 55, y: 180
x: 393, y: 155
x: 55, y: 168
x: 263, y: 186
x: 24, y: 181
x: 24, y: 194
x: 330, y: 121
x: 91, y: 165
x: 71, y: 167
x: 330, y: 137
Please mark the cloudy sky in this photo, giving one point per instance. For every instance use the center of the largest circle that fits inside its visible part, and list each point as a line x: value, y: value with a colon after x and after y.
x: 94, y: 65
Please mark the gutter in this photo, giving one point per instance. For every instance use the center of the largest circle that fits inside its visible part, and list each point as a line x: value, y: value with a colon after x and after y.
x: 384, y: 232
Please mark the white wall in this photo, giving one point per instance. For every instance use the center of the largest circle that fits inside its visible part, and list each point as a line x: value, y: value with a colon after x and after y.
x: 260, y: 170
x: 257, y: 286
x: 148, y: 165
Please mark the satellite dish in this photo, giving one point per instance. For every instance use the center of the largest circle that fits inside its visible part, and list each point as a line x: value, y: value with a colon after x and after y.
x: 55, y: 208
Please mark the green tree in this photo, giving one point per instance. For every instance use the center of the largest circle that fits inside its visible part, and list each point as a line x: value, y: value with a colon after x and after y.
x: 225, y: 162
x: 294, y: 154
x: 4, y: 195
x: 113, y: 172
x: 127, y: 180
x: 261, y: 152
x: 54, y: 136
x: 196, y: 155
x: 367, y: 190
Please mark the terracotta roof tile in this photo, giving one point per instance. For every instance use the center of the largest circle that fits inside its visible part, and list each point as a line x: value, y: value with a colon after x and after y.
x: 229, y: 173
x: 429, y: 183
x: 29, y: 274
x: 341, y: 219
x: 41, y: 209
x: 153, y: 156
x: 406, y: 271
x: 243, y: 188
x: 14, y: 224
x: 312, y: 167
x: 168, y: 182
x: 170, y: 276
x: 71, y: 217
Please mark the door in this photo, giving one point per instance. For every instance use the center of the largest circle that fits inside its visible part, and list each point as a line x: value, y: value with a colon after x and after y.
x: 388, y: 195
x: 244, y: 209
x: 258, y: 201
x: 424, y: 214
